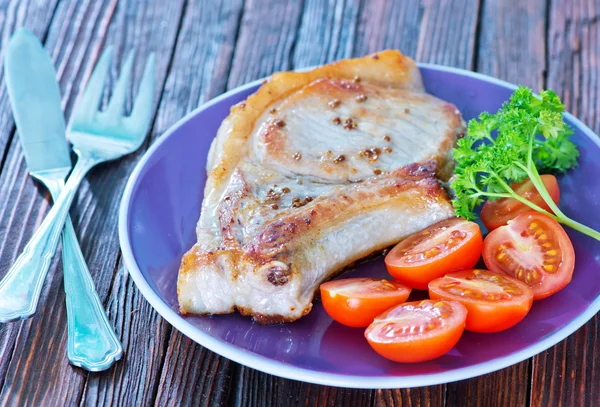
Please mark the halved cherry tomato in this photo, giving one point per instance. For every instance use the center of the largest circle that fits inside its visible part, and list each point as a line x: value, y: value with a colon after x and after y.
x: 417, y: 331
x: 497, y: 213
x: 494, y: 301
x: 449, y: 245
x: 357, y: 301
x: 533, y: 248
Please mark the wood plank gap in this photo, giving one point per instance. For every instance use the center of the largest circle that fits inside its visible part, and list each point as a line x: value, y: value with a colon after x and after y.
x: 112, y: 280
x: 107, y: 22
x: 168, y: 328
x: 530, y: 381
x: 546, y: 47
x: 477, y: 40
x: 165, y: 348
x: 234, y: 394
x: 236, y: 371
x: 236, y: 37
x: 5, y: 153
x: 544, y: 85
x: 295, y: 41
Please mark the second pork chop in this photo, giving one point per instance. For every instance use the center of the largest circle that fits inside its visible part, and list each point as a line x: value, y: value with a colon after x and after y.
x: 313, y: 172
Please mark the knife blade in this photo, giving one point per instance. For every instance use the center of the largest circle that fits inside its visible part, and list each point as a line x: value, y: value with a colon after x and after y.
x: 36, y: 103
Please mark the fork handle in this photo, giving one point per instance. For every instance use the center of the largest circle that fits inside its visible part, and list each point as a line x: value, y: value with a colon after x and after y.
x: 20, y: 288
x: 92, y: 343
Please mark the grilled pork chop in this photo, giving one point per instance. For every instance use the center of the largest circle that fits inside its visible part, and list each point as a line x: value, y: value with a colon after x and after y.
x: 313, y: 172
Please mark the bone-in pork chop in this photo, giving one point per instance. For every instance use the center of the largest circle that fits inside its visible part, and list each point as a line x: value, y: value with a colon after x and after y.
x: 310, y: 174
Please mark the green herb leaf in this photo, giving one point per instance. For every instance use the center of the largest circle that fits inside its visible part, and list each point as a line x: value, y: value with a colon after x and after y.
x: 526, y: 136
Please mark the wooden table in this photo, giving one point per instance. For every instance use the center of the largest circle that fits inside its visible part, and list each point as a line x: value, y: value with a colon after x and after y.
x: 205, y: 47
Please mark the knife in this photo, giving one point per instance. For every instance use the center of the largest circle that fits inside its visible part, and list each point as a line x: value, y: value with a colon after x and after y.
x: 36, y: 103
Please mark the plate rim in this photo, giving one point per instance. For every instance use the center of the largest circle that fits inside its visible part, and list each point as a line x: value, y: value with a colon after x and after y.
x: 270, y: 366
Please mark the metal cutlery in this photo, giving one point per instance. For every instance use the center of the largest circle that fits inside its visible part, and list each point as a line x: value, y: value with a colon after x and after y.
x: 35, y: 100
x: 96, y: 136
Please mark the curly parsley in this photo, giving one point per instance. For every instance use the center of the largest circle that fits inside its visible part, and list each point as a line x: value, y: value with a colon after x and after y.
x: 526, y: 136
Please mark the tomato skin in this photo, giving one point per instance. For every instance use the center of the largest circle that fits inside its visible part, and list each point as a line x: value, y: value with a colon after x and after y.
x: 355, y: 302
x: 417, y: 274
x: 418, y: 346
x: 516, y: 249
x: 486, y: 312
x: 497, y: 213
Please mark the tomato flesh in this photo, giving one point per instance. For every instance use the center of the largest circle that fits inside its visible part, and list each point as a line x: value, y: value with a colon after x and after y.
x: 417, y: 331
x: 535, y: 249
x: 497, y: 213
x: 356, y: 302
x: 494, y: 301
x: 449, y: 245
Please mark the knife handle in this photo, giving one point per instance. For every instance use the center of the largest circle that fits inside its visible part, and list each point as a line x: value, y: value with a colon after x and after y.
x: 92, y: 343
x: 21, y: 286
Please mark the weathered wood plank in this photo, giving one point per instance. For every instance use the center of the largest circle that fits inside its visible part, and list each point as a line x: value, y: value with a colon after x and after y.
x: 35, y: 17
x: 192, y: 375
x: 261, y: 389
x: 375, y: 16
x: 440, y: 32
x: 507, y: 387
x: 429, y: 31
x: 511, y: 47
x: 389, y: 24
x: 512, y: 42
x: 79, y: 31
x: 418, y: 396
x: 567, y: 374
x: 134, y: 380
x: 266, y: 40
x: 325, y: 32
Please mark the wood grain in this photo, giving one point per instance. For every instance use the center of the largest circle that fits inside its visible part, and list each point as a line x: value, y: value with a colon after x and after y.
x: 507, y: 387
x: 424, y: 31
x: 266, y: 39
x: 78, y: 32
x: 205, y: 47
x: 134, y: 380
x: 567, y: 374
x: 512, y: 42
x: 506, y: 30
x: 192, y: 375
x: 36, y: 18
x: 327, y: 32
x: 313, y: 43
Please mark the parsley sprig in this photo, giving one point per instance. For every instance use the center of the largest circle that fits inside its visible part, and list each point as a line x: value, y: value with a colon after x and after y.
x: 525, y: 137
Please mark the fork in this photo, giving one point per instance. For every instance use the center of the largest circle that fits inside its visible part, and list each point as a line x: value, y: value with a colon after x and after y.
x: 96, y: 136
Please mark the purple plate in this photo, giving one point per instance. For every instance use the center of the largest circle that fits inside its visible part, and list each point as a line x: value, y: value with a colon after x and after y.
x: 161, y: 206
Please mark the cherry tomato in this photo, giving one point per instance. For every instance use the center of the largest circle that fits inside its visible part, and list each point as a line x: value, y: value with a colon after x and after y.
x: 357, y: 301
x: 497, y: 213
x: 494, y: 301
x: 533, y: 248
x: 417, y: 331
x: 449, y: 245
